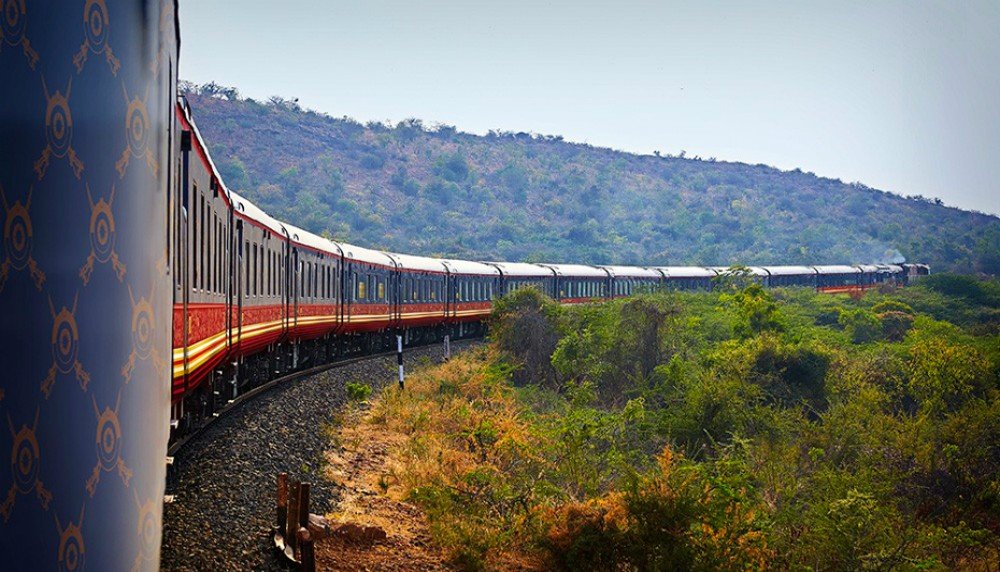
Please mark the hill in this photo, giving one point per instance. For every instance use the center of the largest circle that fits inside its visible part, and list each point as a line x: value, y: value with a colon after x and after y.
x: 521, y: 196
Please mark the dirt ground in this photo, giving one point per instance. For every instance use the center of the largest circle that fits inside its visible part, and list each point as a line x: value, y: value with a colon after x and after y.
x: 360, y: 465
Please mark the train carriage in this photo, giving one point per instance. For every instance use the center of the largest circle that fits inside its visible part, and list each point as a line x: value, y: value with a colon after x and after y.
x: 313, y: 288
x: 415, y: 282
x: 791, y: 276
x: 256, y: 297
x: 838, y: 279
x: 517, y: 275
x: 471, y: 288
x: 578, y: 283
x: 687, y: 277
x: 627, y: 280
x: 367, y: 301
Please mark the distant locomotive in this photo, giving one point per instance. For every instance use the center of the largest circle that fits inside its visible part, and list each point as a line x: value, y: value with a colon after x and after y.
x: 256, y: 298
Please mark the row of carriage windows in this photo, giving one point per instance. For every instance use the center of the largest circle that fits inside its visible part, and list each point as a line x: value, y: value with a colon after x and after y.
x: 581, y: 289
x: 473, y: 290
x: 318, y: 280
x: 368, y: 287
x: 208, y: 248
x: 628, y: 286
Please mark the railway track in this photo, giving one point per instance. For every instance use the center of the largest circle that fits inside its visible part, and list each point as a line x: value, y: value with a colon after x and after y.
x: 223, y: 476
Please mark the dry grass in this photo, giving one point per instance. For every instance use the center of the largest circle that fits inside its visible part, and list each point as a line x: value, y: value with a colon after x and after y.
x: 452, y: 420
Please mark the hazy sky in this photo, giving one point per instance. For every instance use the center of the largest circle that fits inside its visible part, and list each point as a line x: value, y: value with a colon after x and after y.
x: 900, y: 95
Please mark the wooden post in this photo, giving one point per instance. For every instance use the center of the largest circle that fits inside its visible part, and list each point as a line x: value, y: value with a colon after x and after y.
x: 282, y: 502
x: 304, y: 504
x: 292, y: 523
x: 307, y: 557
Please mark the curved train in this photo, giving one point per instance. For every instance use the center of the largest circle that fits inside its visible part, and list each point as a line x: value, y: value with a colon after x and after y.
x: 126, y: 257
x: 256, y: 298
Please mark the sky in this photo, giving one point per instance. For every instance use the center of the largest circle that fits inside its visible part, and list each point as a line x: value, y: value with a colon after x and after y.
x: 900, y: 95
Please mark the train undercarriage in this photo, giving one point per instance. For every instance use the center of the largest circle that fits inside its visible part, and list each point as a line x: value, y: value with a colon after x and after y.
x: 236, y: 379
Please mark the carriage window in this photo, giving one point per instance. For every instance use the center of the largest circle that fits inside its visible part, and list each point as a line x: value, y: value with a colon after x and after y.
x: 381, y: 289
x: 206, y: 250
x: 221, y: 256
x: 199, y: 243
x: 194, y: 239
x: 361, y: 290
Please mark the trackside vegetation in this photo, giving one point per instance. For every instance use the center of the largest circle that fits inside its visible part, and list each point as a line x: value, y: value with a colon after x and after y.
x: 739, y: 429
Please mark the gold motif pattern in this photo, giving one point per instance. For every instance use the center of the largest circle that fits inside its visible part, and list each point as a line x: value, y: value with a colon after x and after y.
x: 143, y: 325
x: 13, y: 21
x: 148, y: 530
x: 137, y: 133
x: 102, y: 237
x: 109, y: 446
x: 65, y: 347
x: 17, y: 233
x: 25, y: 459
x: 72, y: 551
x: 95, y: 39
x: 58, y: 132
x: 41, y: 224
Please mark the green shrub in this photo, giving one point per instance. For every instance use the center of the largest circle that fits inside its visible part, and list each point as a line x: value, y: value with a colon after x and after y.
x: 358, y: 391
x: 895, y: 325
x: 861, y: 325
x: 892, y: 306
x: 755, y: 311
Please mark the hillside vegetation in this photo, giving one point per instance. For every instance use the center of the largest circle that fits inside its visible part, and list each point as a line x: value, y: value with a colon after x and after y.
x: 519, y: 196
x: 741, y: 429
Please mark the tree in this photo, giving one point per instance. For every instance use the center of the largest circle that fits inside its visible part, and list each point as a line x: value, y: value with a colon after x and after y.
x: 754, y: 310
x: 861, y: 325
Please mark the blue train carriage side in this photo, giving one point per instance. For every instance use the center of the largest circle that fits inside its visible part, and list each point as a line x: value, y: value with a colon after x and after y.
x: 418, y: 311
x: 517, y: 275
x: 368, y: 304
x: 687, y: 277
x: 839, y: 279
x: 313, y: 290
x: 578, y: 283
x: 629, y: 280
x: 785, y: 276
x: 471, y: 289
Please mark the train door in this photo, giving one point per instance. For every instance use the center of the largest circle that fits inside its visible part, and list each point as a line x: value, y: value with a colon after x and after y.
x: 395, y: 308
x: 450, y: 288
x: 349, y: 290
x: 239, y: 279
x: 183, y: 280
x: 230, y: 253
x: 296, y: 288
x: 283, y: 281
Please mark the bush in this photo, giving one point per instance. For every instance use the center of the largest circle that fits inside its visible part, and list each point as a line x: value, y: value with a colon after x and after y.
x: 358, y: 391
x: 892, y: 306
x: 861, y: 325
x: 895, y: 325
x: 982, y: 292
x: 524, y: 326
x: 674, y: 518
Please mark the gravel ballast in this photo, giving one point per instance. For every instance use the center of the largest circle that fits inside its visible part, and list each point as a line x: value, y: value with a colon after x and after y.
x: 224, y: 478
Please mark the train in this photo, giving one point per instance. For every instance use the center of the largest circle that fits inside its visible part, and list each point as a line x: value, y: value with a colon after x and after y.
x: 140, y: 295
x: 256, y: 298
